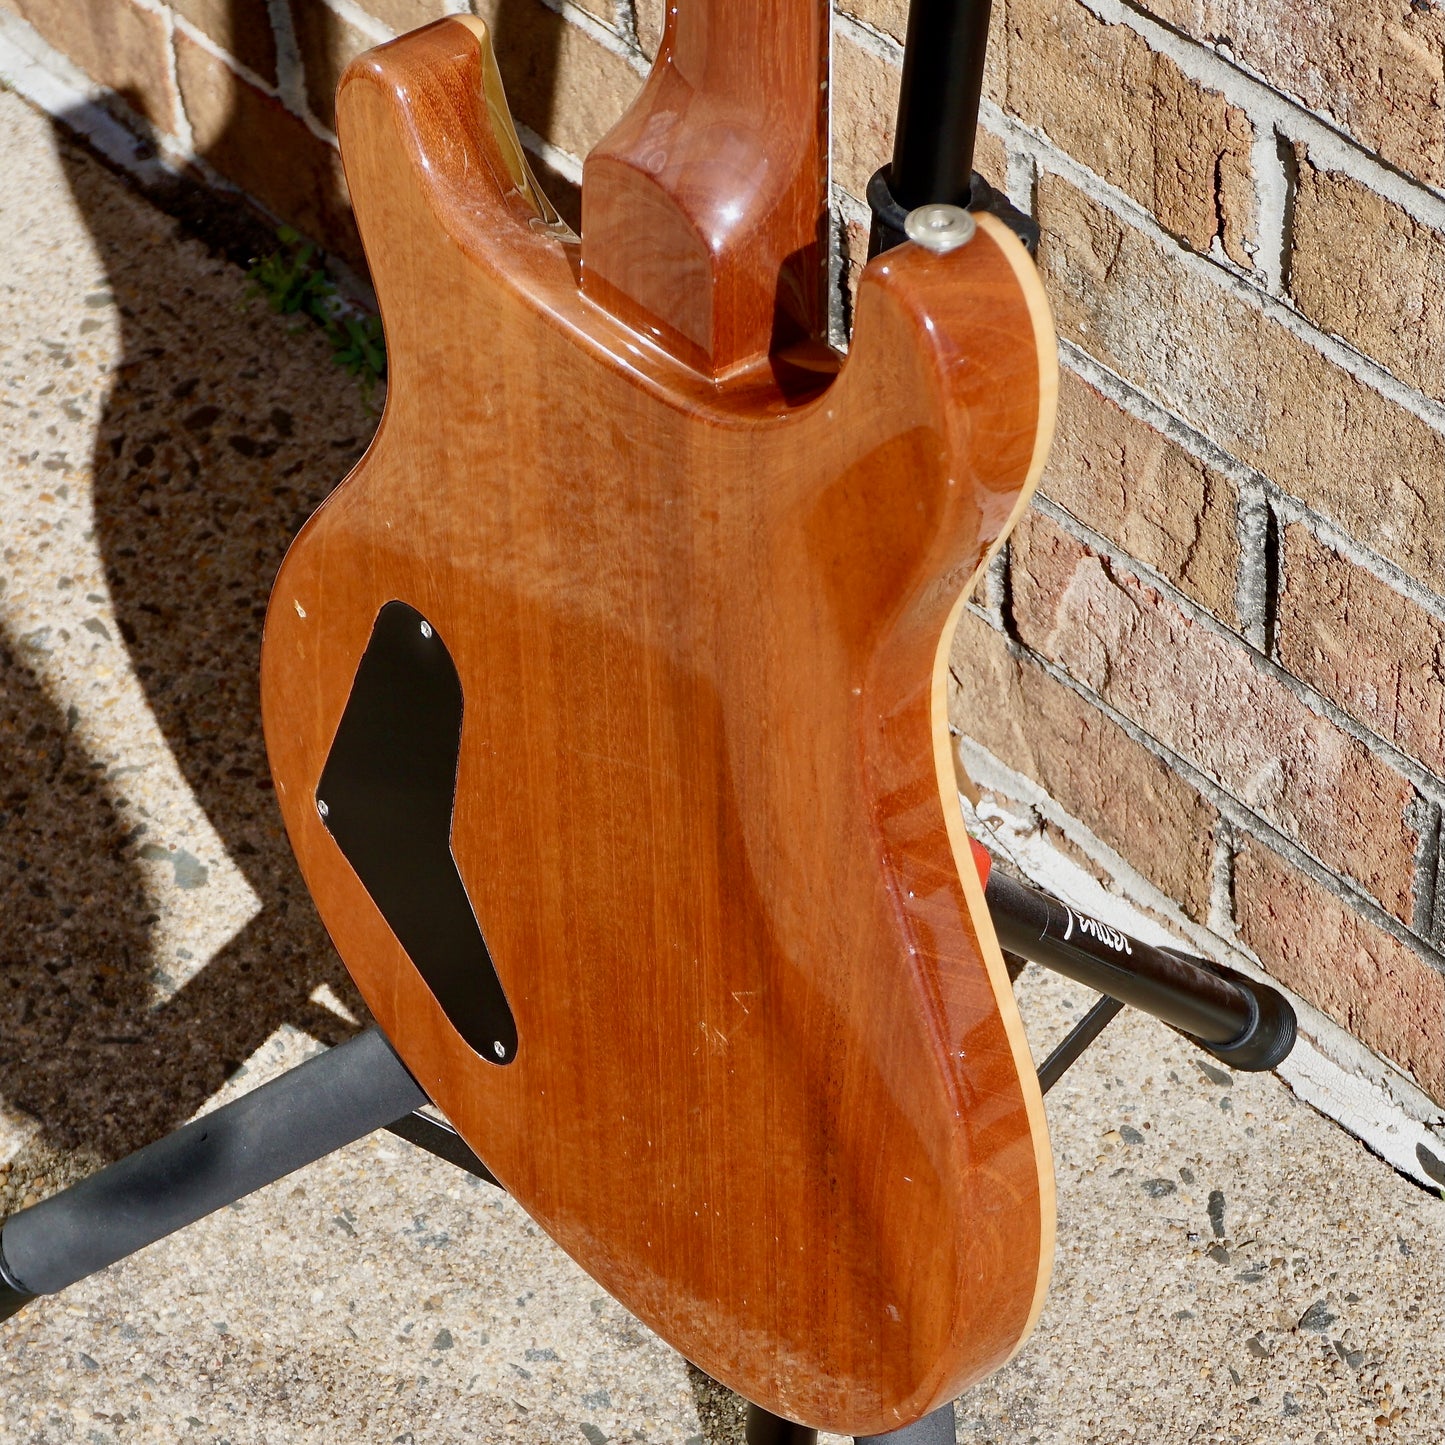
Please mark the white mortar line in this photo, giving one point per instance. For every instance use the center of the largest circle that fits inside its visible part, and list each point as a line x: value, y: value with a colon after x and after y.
x: 1271, y: 209
x: 627, y: 26
x: 1291, y: 509
x: 835, y: 299
x: 204, y: 42
x: 1021, y: 180
x: 838, y: 307
x: 1329, y: 1069
x: 1424, y: 816
x: 52, y: 83
x: 1221, y: 881
x: 1272, y: 113
x: 179, y: 119
x: 563, y: 162
x: 1143, y: 407
x: 290, y: 72
x: 376, y: 31
x: 850, y: 208
x: 604, y: 35
x: 867, y: 38
x: 992, y: 590
x: 295, y: 104
x: 1128, y: 210
x: 1274, y: 117
x: 1252, y: 581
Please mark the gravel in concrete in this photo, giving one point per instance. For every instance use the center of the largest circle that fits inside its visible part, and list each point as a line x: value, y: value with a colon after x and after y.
x: 1231, y: 1266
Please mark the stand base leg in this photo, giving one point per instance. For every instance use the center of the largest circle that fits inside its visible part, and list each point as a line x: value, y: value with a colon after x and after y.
x: 13, y: 1296
x: 938, y: 1428
x: 315, y: 1108
x: 765, y: 1428
x: 935, y: 1429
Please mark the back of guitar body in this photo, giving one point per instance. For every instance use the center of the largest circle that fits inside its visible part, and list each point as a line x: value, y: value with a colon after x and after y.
x: 605, y: 703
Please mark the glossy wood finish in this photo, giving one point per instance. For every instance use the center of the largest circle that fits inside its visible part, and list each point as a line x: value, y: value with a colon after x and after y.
x: 704, y: 211
x: 771, y: 1088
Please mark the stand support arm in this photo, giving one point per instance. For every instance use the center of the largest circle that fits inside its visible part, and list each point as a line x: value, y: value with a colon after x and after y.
x: 320, y: 1106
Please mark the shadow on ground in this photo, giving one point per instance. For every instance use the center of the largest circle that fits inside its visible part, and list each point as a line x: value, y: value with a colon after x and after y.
x: 200, y: 477
x: 204, y: 468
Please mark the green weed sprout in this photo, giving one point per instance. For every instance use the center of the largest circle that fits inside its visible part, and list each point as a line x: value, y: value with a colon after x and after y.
x: 293, y: 282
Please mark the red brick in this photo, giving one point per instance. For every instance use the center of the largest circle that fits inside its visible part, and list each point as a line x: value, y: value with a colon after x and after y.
x: 1241, y: 378
x: 255, y: 142
x: 865, y: 96
x: 609, y: 12
x: 890, y: 17
x: 1368, y: 271
x: 241, y: 28
x: 1205, y: 698
x: 1095, y: 771
x: 865, y: 109
x: 1147, y: 494
x: 327, y: 44
x: 117, y: 44
x: 1375, y: 67
x: 1364, y: 645
x: 1384, y: 993
x: 1131, y: 115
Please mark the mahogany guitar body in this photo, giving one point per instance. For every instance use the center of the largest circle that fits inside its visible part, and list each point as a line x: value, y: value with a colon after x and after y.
x: 765, y: 1080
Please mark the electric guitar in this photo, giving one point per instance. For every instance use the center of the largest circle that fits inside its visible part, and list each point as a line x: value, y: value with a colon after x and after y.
x: 605, y: 702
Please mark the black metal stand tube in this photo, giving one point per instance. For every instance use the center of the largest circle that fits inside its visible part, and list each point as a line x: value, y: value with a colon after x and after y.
x: 765, y: 1428
x: 1246, y: 1024
x: 307, y: 1113
x: 938, y: 102
x: 937, y: 123
x: 1078, y: 1039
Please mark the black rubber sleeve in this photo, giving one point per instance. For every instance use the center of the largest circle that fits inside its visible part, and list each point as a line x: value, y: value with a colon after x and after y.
x: 311, y: 1110
x: 1246, y: 1024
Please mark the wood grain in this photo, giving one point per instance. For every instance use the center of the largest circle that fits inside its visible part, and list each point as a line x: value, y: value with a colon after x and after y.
x: 704, y: 211
x: 771, y: 1089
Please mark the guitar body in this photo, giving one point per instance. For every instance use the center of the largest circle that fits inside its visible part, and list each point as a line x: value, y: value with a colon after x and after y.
x: 664, y: 698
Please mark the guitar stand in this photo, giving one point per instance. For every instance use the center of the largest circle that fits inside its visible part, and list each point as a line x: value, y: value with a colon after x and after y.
x: 360, y: 1086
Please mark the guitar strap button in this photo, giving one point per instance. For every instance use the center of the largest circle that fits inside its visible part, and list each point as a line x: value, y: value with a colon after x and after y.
x: 940, y: 228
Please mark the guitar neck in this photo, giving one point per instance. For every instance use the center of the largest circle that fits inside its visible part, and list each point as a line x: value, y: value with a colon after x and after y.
x: 753, y: 53
x: 704, y: 210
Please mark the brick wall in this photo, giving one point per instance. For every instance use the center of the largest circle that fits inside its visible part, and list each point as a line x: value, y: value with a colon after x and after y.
x: 1218, y: 641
